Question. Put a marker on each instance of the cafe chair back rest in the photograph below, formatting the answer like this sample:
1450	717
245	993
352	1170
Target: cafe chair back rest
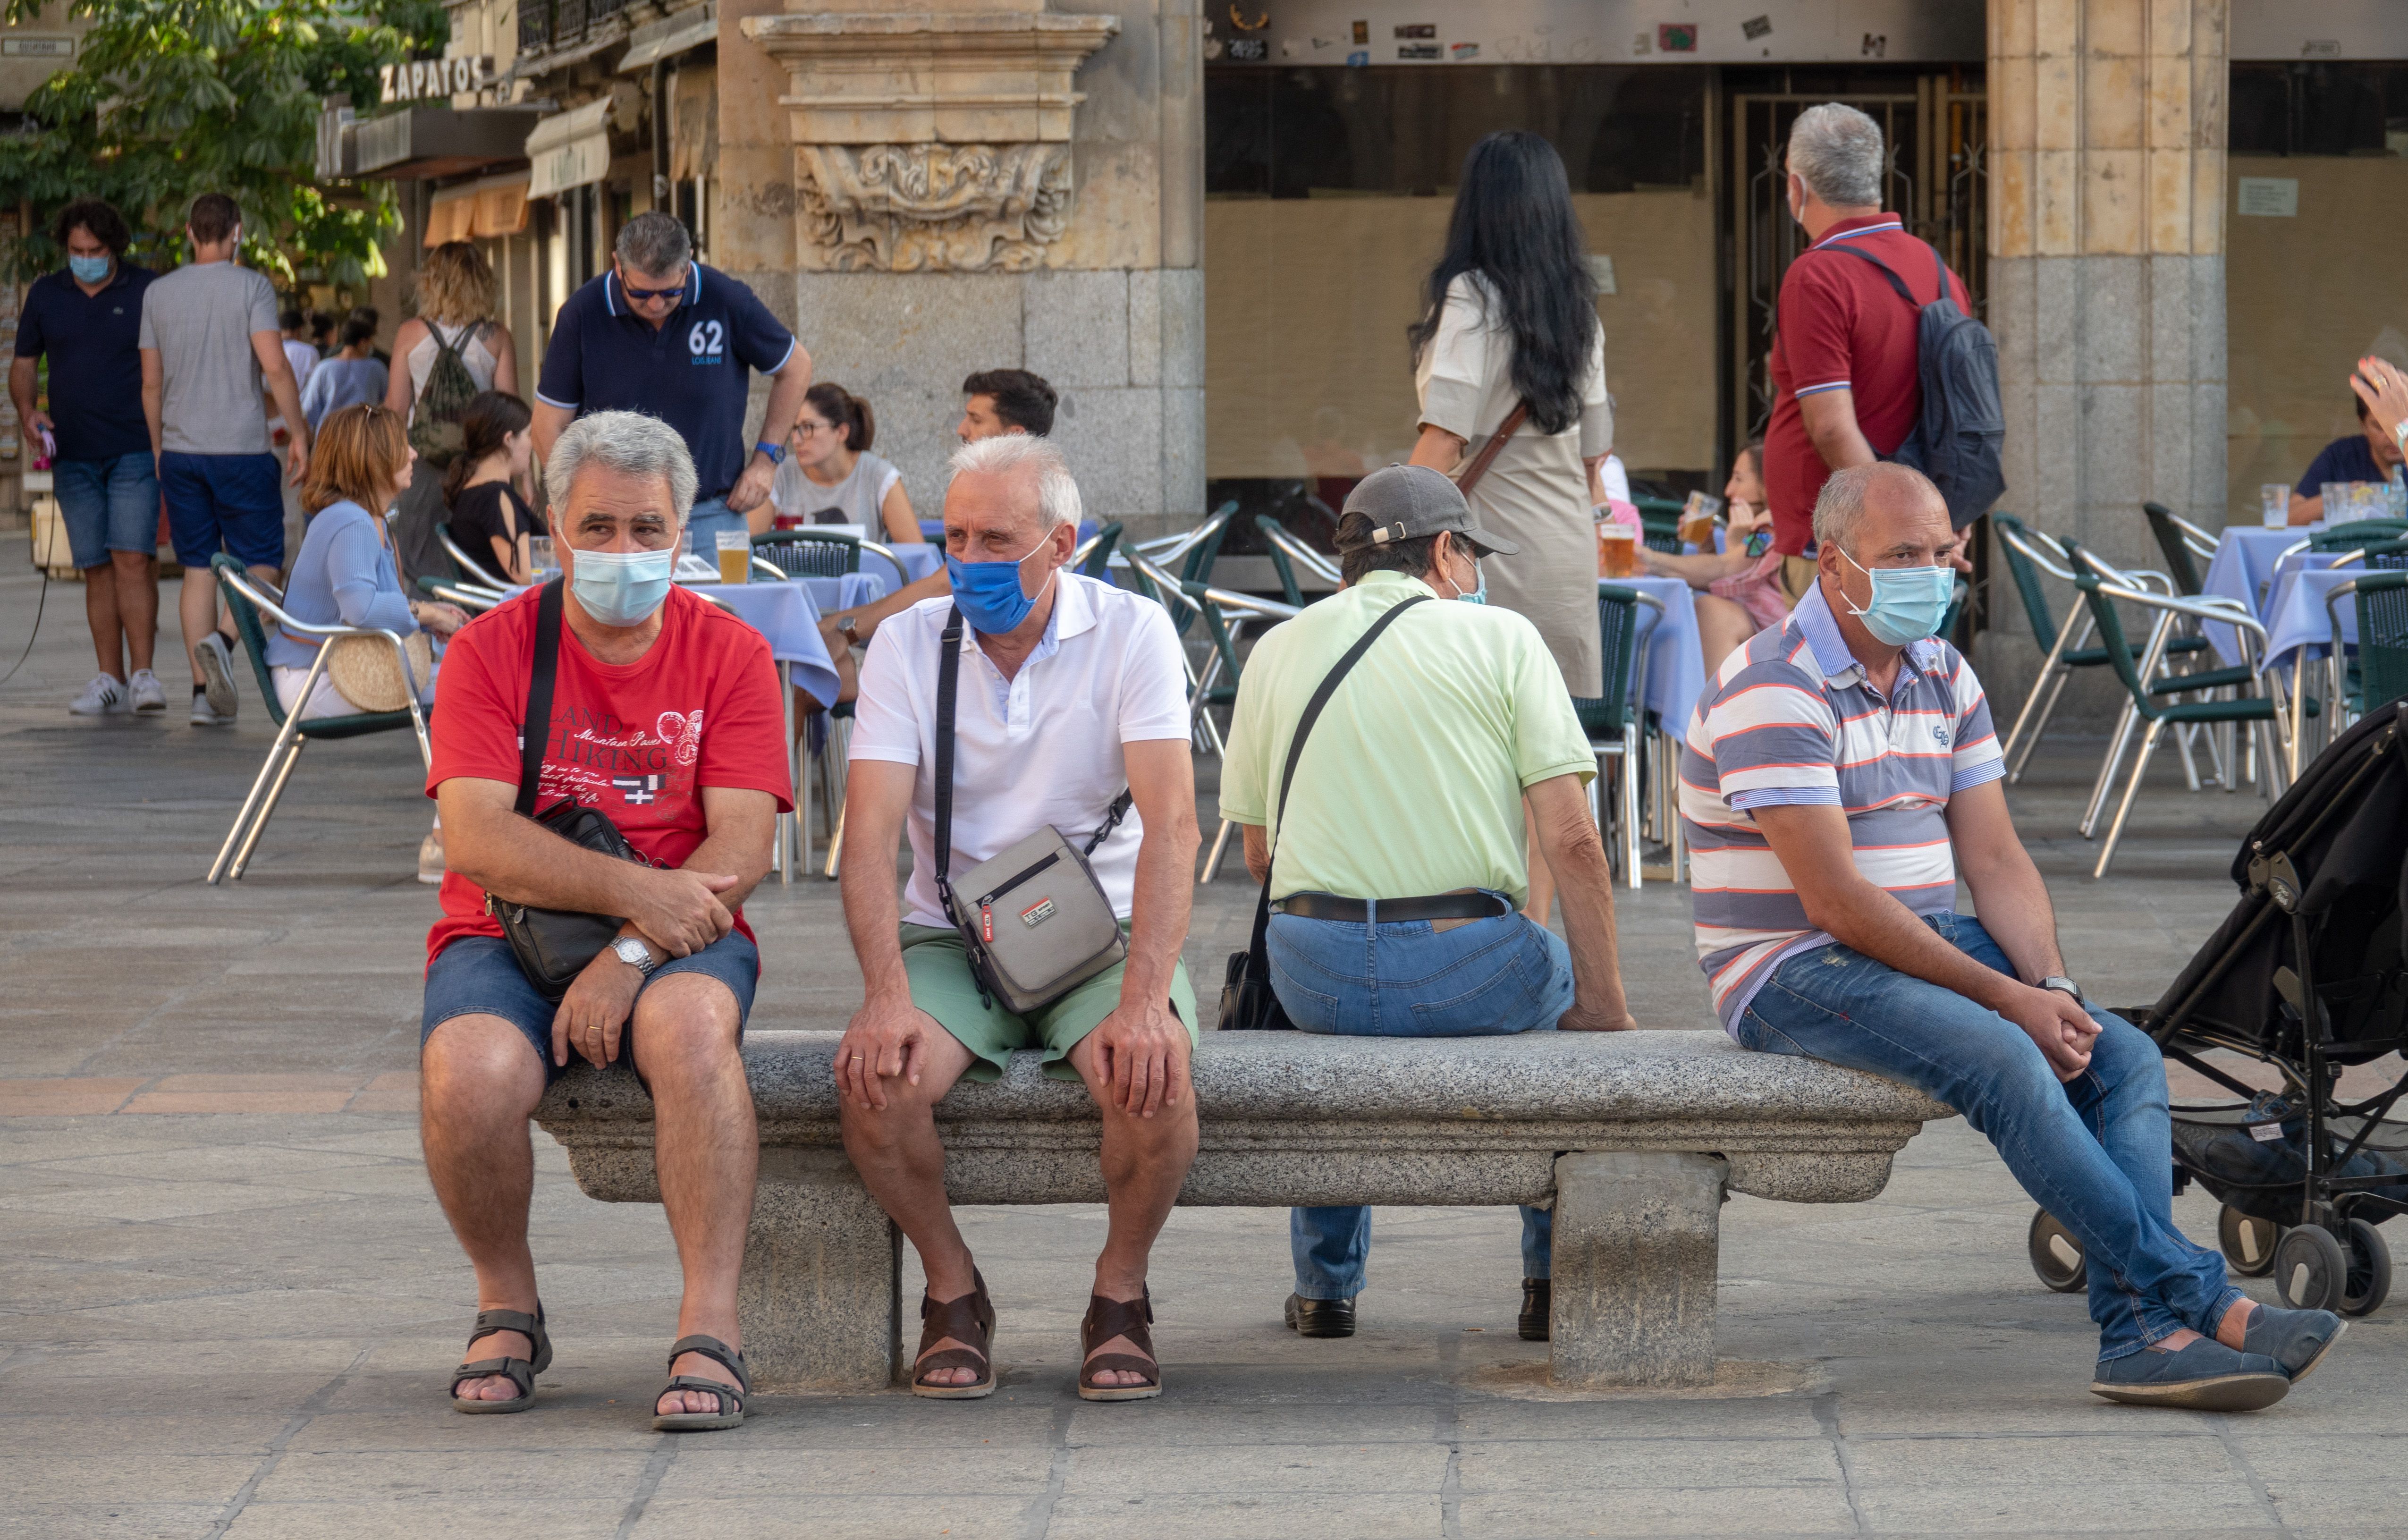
2354	534
2174	540
470	567
1659	522
255	606
1288	552
2377	556
1615	721
1094	556
2382	638
818	553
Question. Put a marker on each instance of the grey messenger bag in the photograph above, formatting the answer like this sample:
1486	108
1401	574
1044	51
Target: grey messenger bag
1034	920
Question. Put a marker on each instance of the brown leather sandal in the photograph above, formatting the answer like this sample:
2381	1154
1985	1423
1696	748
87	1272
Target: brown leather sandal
969	1318
1109	1318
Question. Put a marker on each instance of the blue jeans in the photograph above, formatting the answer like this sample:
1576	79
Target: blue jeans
1477	978
2095	1153
708	518
108	505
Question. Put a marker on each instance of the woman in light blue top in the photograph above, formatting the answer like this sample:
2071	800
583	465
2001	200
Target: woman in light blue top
352	377
345	573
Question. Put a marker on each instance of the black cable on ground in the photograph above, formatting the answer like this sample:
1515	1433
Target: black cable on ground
38	604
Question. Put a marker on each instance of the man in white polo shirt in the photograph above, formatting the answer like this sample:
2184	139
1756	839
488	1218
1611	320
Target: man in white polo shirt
1071	691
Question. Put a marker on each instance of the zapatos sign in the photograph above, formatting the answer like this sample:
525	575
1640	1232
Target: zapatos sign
420	78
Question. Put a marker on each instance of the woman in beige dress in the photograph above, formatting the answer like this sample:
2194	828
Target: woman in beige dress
1511	318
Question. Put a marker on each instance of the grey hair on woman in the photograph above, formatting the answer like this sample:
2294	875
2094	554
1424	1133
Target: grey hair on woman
1836	151
1025	455
628	443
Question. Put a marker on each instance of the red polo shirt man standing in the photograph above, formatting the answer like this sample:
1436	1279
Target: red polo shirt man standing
1846	390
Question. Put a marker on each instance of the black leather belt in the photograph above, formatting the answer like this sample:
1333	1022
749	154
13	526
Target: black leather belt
1441	906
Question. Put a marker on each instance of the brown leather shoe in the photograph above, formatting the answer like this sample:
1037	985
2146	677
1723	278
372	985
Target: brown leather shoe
1320	1317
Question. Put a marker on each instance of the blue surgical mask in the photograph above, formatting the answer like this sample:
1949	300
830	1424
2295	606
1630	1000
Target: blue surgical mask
988	592
621	587
88	270
1907	602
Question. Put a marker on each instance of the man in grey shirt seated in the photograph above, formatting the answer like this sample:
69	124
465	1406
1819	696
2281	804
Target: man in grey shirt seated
210	345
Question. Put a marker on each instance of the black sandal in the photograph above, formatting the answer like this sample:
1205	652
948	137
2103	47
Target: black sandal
1109	1318
966	1319
519	1372
731	1396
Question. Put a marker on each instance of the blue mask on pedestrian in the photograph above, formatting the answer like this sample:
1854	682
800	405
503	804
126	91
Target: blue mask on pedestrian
988	592
88	270
621	587
1907	602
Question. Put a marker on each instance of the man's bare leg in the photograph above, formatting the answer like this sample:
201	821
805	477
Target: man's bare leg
137	603
196	607
902	1162
1144	1159
707	1151
479	1081
100	616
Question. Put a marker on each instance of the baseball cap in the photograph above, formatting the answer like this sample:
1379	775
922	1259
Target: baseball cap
1412	503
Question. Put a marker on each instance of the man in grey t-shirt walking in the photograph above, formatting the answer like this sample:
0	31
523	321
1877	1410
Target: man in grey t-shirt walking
210	344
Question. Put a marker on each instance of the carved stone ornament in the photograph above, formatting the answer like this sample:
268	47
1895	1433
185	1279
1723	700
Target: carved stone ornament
913	208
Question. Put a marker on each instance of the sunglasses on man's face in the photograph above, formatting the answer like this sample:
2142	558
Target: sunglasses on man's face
673	292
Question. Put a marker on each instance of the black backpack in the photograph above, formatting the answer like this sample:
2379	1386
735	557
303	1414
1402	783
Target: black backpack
1956	441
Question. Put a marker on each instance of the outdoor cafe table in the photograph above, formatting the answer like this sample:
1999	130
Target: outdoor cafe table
788	615
1676	671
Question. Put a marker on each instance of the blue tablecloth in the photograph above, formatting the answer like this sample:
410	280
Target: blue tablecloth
832	594
2297	626
1676	669
785	613
2244	569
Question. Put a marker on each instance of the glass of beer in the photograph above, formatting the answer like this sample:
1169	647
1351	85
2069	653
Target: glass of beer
1698	517
735	557
1617	548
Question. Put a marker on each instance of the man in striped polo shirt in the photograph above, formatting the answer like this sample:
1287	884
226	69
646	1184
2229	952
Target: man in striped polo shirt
1837	776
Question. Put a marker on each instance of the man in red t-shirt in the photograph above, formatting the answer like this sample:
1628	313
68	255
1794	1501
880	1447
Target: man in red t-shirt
665	716
1846	380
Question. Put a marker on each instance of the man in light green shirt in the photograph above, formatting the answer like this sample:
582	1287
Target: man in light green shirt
1400	862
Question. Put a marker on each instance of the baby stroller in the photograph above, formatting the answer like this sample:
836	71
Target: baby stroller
2307	974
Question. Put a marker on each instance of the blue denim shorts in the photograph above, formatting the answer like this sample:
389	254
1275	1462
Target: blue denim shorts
108	505
235	501
477	976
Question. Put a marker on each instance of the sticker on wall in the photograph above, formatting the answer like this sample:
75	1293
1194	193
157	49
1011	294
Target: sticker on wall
1418	29
1362	33
1417	51
1249	50
1676	38
1358	59
1756	27
2269	197
1460	51
1600	267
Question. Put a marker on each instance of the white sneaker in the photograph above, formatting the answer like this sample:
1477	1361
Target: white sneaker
216	674
205	715
103	696
149	699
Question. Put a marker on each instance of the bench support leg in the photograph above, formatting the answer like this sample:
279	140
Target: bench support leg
818	1295
1636	1254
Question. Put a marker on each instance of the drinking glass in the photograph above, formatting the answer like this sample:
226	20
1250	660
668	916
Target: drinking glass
2274	505
1617	548
540	556
1698	517
735	557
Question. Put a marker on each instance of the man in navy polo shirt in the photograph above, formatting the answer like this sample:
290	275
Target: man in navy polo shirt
89	321
662	333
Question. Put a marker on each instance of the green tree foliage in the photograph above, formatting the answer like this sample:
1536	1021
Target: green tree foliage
169	99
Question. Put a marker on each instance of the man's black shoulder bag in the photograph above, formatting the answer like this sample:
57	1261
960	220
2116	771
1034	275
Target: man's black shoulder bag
553	945
1247	1002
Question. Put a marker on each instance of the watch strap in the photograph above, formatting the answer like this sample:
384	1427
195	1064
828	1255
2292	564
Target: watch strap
2062	984
777	452
644	967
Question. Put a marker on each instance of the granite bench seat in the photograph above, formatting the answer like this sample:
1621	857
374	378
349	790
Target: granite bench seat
1634	1137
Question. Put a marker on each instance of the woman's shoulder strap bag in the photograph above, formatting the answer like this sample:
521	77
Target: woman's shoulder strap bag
1470	476
553	945
1247	1002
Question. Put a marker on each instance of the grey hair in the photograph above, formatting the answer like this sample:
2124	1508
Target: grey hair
1841	506
654	243
1836	151
628	443
1025	455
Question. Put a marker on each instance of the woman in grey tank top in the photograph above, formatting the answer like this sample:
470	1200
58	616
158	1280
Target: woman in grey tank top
830	476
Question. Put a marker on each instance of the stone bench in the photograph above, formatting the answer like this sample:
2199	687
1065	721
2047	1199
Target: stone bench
1633	1137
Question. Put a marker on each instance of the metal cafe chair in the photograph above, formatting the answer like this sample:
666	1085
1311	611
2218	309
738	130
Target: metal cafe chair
820	553
1225	615
1616	721
2182	655
2379	674
1288	552
2183	544
1093	557
2258	712
248	601
470	567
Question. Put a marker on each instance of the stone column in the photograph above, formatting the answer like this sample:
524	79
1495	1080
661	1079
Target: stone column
1638	1251
2107	143
992	184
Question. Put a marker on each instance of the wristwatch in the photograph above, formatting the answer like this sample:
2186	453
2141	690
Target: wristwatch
2063	986
851	627
777	452
635	954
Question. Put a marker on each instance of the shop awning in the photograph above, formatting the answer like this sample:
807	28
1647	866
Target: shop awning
430	142
671	36
571	149
478	211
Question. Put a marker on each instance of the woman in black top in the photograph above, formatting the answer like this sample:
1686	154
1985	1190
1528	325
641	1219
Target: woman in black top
491	520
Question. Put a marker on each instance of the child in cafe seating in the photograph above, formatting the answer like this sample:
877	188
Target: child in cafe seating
1739	587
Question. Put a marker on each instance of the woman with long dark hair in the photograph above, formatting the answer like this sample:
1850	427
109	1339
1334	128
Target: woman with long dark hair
1509	323
491	517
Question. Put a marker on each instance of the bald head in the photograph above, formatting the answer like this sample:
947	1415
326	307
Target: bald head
1873	507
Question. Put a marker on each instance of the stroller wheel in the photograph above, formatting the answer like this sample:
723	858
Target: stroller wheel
2055	1255
2248	1242
2310	1270
2370	1271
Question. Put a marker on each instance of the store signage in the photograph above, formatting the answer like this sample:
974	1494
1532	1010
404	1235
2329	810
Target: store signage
38	48
420	78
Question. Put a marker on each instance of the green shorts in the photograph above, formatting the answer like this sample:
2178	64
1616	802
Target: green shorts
942	986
